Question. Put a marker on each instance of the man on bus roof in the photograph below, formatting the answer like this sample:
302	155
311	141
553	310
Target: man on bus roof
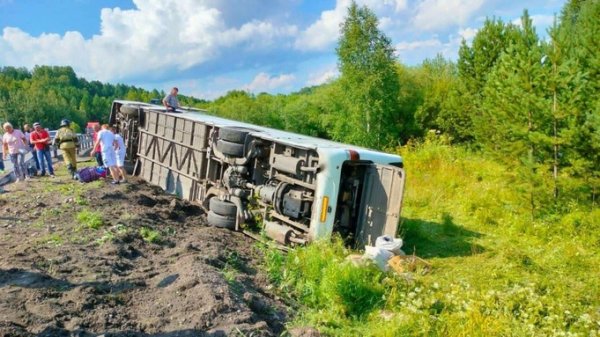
170	101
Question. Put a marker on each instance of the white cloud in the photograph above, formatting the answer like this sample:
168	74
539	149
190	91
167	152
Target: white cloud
265	82
409	46
417	51
266	30
468	33
439	14
322	76
154	36
324	32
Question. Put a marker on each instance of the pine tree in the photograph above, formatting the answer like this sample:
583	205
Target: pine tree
515	119
580	33
564	91
475	63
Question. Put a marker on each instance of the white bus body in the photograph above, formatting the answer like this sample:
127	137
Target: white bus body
304	188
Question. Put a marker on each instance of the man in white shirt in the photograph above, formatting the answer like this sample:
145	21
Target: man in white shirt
107	142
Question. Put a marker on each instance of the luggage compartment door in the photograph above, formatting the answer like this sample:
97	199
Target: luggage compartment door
381	203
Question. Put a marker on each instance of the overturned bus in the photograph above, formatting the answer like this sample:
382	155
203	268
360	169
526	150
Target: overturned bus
302	188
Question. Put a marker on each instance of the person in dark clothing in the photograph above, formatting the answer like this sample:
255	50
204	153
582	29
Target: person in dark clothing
27	131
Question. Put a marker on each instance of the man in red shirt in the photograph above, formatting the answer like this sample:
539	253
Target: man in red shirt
97	152
40	138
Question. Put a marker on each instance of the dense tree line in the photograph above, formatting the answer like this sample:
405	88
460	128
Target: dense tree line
50	93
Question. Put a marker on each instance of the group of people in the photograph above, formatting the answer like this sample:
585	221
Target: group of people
16	144
109	150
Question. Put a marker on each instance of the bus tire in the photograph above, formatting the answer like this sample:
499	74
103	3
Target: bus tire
230	149
221	221
129	110
222	207
233	135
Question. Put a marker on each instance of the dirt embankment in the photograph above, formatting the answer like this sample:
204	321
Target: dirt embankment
150	267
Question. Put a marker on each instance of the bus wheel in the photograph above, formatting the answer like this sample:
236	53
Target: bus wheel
221	221
222	207
230	149
233	135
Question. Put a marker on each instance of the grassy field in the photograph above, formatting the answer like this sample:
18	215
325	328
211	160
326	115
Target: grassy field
496	271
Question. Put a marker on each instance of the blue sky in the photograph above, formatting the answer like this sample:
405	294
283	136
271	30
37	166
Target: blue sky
207	47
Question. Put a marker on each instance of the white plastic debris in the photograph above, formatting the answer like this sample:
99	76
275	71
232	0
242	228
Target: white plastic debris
387	242
379	256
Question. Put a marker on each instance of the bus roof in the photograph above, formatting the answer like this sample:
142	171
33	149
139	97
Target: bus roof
285	137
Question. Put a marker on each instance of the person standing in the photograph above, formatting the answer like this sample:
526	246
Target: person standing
107	142
27	131
120	152
68	142
14	144
97	150
40	139
170	101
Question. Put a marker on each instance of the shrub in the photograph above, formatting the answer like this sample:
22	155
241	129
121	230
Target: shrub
150	235
319	277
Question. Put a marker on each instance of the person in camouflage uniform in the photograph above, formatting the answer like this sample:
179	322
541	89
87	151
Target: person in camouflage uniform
66	138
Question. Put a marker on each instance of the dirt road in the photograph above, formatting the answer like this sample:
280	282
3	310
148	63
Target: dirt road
146	264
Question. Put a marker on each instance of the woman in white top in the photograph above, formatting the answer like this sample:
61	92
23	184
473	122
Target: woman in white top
15	145
120	151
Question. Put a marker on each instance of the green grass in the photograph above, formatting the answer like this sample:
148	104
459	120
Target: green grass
81	201
89	219
51	240
496	271
150	235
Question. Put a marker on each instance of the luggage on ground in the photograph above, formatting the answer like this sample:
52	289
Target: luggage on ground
87	174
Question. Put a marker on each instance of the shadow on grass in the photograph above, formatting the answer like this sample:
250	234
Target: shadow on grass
438	239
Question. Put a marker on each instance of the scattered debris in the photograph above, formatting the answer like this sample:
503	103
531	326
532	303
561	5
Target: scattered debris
409	263
390	244
387	254
379	256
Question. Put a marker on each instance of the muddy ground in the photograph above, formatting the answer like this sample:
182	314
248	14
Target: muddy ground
151	267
